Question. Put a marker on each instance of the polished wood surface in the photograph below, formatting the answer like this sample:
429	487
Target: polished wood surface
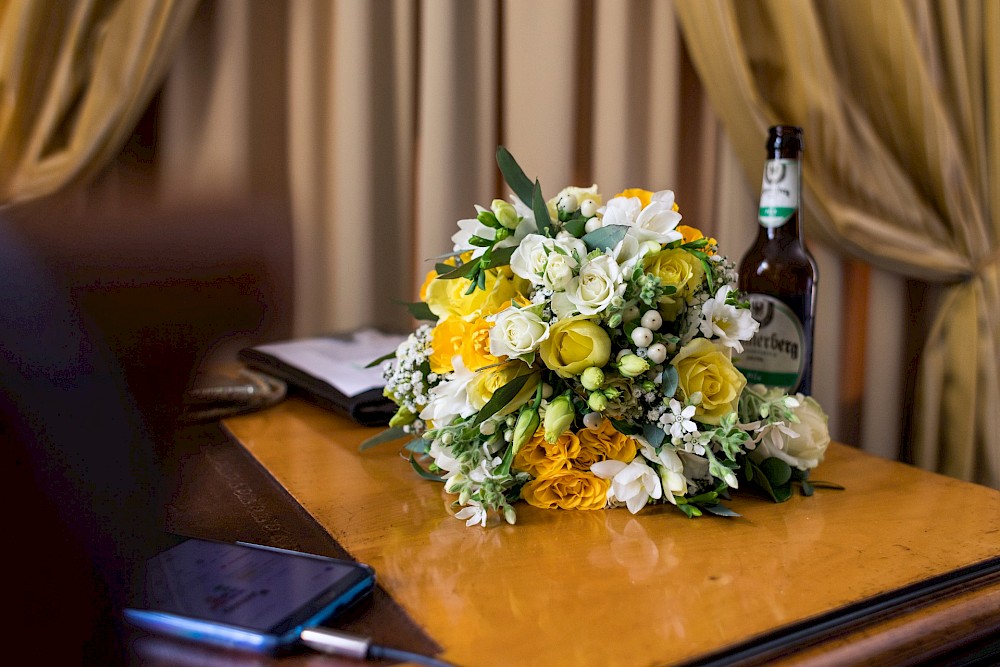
610	588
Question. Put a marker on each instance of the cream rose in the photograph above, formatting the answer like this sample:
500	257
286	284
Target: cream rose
517	332
599	282
706	368
807	447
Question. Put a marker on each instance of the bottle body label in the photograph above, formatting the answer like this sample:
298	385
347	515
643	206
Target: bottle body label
776	355
779	192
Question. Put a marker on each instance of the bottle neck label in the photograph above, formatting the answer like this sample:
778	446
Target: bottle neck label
776	355
779	193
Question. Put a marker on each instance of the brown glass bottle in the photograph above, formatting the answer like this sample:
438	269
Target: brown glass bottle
779	276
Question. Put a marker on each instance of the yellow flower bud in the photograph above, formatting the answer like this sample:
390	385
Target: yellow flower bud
402	417
631	365
592	378
505	213
527	424
559	417
598	402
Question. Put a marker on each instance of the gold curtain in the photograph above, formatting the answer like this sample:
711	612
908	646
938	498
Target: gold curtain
900	101
74	79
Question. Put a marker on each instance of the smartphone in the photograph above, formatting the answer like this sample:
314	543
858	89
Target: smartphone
244	596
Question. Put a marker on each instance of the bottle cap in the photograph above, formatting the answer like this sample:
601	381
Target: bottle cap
785	137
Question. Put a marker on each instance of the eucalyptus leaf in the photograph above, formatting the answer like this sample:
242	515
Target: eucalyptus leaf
654	435
388	435
418	446
777	471
720	510
670	380
605	237
501	398
423	473
541	211
514	175
575	227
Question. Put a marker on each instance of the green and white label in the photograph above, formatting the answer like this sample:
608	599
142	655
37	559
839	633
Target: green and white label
776	355
779	193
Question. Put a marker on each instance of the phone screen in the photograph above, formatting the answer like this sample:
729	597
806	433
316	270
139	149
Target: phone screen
207	585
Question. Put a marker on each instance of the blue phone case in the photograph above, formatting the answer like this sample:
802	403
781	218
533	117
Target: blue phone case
244	596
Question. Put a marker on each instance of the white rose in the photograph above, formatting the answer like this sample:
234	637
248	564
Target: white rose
530	258
806	441
517	332
599	282
558	272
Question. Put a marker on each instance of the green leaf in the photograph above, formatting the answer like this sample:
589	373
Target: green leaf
720	510
541	211
778	494
384	357
420	311
442	268
576	227
501	398
828	485
690	510
670	380
388	435
462	271
605	237
777	471
514	175
423	473
653	434
501	257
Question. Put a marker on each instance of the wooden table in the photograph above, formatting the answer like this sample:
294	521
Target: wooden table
902	565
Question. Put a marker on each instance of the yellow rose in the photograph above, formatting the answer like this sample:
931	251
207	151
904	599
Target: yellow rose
702	366
678	268
486	382
540	458
603	443
448	298
446	341
476	345
574	345
568	490
644	196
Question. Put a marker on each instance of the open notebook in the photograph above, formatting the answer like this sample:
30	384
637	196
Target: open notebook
331	371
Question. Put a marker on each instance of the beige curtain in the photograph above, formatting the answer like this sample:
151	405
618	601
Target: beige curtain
75	77
901	105
379	120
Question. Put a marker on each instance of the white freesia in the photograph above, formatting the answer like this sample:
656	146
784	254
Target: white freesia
670	468
450	399
656	222
801	445
632	483
445	459
627	253
599	282
726	322
517	332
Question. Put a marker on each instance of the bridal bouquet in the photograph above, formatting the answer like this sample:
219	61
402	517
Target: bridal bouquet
577	353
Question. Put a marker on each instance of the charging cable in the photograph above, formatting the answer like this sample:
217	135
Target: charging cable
335	642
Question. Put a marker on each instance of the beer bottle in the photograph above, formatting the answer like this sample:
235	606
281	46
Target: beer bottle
779	276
